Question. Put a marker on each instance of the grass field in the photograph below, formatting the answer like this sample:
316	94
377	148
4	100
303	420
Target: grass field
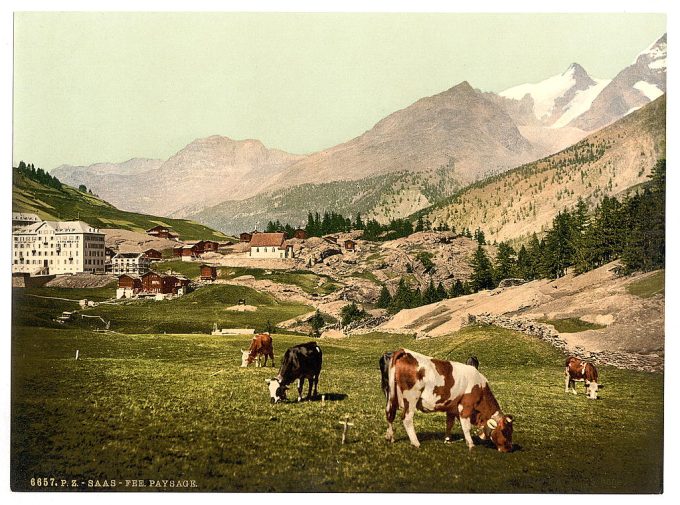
147	405
308	281
649	286
71	204
572	324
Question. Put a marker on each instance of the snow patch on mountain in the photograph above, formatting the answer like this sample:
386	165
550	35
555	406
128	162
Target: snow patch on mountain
649	90
581	102
543	93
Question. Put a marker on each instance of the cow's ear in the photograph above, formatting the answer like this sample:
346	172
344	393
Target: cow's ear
509	419
267	381
491	423
600	386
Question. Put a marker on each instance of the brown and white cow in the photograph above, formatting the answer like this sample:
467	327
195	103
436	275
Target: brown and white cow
419	382
260	345
579	370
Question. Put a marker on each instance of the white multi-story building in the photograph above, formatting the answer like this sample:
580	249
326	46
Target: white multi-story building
58	247
132	263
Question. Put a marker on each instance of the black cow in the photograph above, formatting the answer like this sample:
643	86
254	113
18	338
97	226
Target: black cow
473	361
384	368
300	362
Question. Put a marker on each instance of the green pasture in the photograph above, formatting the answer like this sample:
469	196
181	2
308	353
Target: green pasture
146	405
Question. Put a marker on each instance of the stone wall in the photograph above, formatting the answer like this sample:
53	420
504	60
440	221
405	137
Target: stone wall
547	333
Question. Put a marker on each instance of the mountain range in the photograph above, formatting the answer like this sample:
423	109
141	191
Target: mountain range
408	161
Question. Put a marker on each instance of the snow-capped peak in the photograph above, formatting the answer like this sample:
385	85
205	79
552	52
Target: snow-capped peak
655	55
569	93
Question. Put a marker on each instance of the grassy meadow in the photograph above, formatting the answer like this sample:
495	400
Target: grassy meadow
141	404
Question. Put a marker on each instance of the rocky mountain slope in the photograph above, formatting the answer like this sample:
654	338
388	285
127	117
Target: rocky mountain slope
384	197
630	323
458	126
205	172
525	200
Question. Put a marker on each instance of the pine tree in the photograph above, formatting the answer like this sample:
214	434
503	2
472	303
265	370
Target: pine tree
430	294
482	273
506	263
457	289
385	299
316	322
441	292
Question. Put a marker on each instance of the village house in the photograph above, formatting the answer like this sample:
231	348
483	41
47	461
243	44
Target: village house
245	237
128	286
58	247
134	263
208	272
162	232
350	245
159	283
270	245
153	254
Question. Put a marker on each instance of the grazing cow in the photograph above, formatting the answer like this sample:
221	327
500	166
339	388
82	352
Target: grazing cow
432	385
579	370
260	345
300	362
473	361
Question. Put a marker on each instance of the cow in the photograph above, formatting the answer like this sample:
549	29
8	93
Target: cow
473	361
579	370
419	382
300	362
260	345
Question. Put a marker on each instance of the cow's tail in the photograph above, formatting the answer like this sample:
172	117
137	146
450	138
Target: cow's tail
393	398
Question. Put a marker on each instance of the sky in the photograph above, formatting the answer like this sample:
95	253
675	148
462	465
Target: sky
106	87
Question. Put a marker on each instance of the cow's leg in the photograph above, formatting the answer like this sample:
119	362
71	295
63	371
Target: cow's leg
409	412
566	381
466	425
390	414
301	381
450	420
310	383
316	384
265	359
271	355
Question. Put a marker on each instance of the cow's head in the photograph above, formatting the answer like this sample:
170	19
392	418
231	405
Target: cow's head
501	432
244	358
277	392
592	388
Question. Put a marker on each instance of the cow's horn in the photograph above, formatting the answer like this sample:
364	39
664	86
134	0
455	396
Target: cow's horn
267	381
491	423
508	419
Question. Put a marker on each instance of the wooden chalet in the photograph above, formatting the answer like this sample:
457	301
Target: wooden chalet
210	246
350	245
153	254
155	282
132	282
208	273
161	232
245	237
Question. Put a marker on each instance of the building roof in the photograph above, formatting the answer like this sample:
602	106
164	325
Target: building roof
128	255
267	239
25	216
135	277
158	227
60	227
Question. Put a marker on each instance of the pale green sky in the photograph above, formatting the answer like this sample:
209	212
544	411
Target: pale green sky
93	87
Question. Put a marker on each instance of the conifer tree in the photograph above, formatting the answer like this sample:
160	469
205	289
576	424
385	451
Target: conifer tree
482	273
